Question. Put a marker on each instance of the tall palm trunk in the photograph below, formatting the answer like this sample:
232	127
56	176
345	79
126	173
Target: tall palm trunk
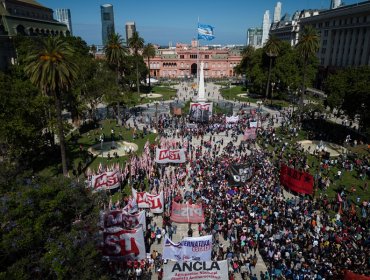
303	86
137	75
119	121
61	133
149	71
268	80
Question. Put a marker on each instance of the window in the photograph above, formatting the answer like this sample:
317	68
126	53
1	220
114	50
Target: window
206	56
182	56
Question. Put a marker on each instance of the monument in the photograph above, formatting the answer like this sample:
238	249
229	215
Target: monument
201	90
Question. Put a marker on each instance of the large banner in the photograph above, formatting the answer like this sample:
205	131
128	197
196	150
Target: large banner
200	112
106	181
239	174
189	249
120	218
250	134
232	119
170	156
196	270
146	200
300	182
124	244
349	275
185	213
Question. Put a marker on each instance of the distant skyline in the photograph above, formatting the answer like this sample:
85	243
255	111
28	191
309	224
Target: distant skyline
167	21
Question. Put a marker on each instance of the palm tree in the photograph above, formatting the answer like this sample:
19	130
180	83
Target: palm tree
50	67
149	52
272	49
136	43
308	45
115	54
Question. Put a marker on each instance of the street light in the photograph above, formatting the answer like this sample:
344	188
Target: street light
156	115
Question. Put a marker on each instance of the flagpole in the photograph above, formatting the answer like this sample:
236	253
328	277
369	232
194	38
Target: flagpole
198	56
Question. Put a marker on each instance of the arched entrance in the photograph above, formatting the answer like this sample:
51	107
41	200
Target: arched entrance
194	69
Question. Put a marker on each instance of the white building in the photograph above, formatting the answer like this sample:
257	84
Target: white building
277	12
254	37
64	16
335	4
265	26
130	29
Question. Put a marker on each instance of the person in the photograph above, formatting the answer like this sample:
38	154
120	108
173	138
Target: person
190	232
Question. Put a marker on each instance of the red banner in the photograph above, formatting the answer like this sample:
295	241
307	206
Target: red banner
300	182
349	275
250	133
170	156
185	213
127	244
146	200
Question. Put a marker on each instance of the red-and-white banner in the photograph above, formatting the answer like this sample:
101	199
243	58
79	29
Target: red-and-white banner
170	156
204	106
146	200
127	244
106	181
187	213
250	134
300	182
253	124
232	119
120	218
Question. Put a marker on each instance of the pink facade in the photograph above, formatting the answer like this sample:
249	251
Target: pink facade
182	61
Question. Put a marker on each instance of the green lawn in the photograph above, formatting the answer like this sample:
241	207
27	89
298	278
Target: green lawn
167	94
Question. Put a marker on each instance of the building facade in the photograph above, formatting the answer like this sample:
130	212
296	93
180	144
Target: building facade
288	29
254	37
130	29
344	35
277	12
107	22
64	16
182	61
265	26
26	18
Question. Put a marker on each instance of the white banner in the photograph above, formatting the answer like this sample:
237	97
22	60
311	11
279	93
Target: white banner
170	156
232	119
119	218
253	124
196	270
146	200
106	181
189	249
126	244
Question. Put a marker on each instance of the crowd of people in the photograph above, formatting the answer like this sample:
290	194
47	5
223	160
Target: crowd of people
297	237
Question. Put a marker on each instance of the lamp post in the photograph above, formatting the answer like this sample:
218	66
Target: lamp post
272	91
156	115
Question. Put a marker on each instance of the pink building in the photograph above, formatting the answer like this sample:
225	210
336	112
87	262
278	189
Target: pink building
182	60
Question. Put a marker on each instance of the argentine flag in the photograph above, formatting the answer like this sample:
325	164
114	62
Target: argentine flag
205	31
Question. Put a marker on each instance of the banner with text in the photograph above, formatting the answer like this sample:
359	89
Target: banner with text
298	181
232	119
188	249
239	174
106	181
124	244
187	213
170	156
146	200
196	270
200	111
250	134
120	218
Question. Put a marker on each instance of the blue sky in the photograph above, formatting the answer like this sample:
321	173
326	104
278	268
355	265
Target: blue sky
162	21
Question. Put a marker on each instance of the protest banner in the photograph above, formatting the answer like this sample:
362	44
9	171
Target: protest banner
188	249
170	156
349	275
154	202
200	111
250	134
120	218
185	213
298	181
125	244
108	180
232	119
196	270
253	124
239	174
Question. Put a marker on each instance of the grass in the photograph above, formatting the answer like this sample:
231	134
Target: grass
348	178
167	94
232	94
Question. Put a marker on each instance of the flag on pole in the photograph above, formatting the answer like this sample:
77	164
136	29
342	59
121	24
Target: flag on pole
205	32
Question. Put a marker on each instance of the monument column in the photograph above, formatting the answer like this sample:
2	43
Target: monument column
201	90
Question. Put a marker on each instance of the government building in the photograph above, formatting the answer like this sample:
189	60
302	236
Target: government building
26	18
182	61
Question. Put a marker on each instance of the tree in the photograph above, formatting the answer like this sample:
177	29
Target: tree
116	54
50	68
272	48
136	43
308	45
149	52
